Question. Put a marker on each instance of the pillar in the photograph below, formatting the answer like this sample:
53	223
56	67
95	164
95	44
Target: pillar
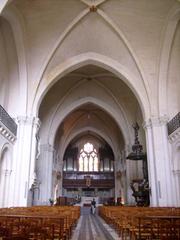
159	164
174	140
25	157
45	171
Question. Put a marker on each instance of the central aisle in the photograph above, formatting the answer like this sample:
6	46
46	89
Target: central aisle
92	227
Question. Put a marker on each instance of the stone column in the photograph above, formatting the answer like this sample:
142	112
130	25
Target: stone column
5	187
131	174
177	187
117	163
45	170
25	157
174	140
159	164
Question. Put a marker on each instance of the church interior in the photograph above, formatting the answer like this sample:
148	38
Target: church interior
89	119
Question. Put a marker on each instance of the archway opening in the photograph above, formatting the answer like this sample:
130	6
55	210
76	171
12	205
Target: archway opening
89	101
88	169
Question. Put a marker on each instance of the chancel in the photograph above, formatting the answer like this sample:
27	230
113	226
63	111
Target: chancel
89	112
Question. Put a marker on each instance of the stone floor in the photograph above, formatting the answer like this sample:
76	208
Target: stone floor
92	227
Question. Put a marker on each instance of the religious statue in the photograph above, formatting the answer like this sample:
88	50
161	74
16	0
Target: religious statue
140	190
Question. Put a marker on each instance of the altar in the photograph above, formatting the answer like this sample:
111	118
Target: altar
86	201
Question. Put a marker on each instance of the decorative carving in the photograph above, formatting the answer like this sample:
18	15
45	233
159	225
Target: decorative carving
174	136
118	174
7	133
139	187
155	121
58	176
93	8
88	181
141	190
174	124
8	122
137	148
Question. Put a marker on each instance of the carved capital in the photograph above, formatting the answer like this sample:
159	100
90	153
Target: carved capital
155	122
28	120
47	147
176	172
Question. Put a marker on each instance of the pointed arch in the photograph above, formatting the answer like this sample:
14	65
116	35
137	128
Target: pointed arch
61	114
14	18
169	34
98	60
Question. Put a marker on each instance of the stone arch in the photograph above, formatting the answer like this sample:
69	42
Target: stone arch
5	174
3	4
121	122
103	62
169	34
97	131
16	22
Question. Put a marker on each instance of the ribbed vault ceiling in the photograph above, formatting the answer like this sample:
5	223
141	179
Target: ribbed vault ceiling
90	118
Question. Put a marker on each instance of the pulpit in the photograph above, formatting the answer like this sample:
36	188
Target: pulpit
140	187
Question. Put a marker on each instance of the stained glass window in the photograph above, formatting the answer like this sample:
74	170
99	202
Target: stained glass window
88	159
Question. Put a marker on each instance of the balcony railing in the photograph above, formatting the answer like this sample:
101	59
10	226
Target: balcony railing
174	124
94	183
8	121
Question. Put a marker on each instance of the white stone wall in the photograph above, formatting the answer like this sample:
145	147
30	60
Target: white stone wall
135	42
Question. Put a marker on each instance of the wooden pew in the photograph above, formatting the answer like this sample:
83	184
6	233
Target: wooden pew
143	222
42	222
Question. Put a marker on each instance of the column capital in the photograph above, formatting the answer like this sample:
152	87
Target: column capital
176	172
6	172
47	147
28	120
127	149
155	122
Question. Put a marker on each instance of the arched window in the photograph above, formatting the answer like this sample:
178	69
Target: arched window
88	159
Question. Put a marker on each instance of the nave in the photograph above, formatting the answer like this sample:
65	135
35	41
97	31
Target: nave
92	227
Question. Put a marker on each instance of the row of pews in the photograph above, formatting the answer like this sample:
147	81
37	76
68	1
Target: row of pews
134	223
38	222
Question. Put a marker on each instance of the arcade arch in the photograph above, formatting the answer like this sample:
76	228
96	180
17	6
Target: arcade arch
92	100
5	175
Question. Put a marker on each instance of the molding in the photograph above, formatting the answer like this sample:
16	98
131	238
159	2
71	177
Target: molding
155	122
176	172
29	120
95	3
3	5
5	132
47	147
173	137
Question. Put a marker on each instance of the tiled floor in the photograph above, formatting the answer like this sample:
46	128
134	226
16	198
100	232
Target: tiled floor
92	227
